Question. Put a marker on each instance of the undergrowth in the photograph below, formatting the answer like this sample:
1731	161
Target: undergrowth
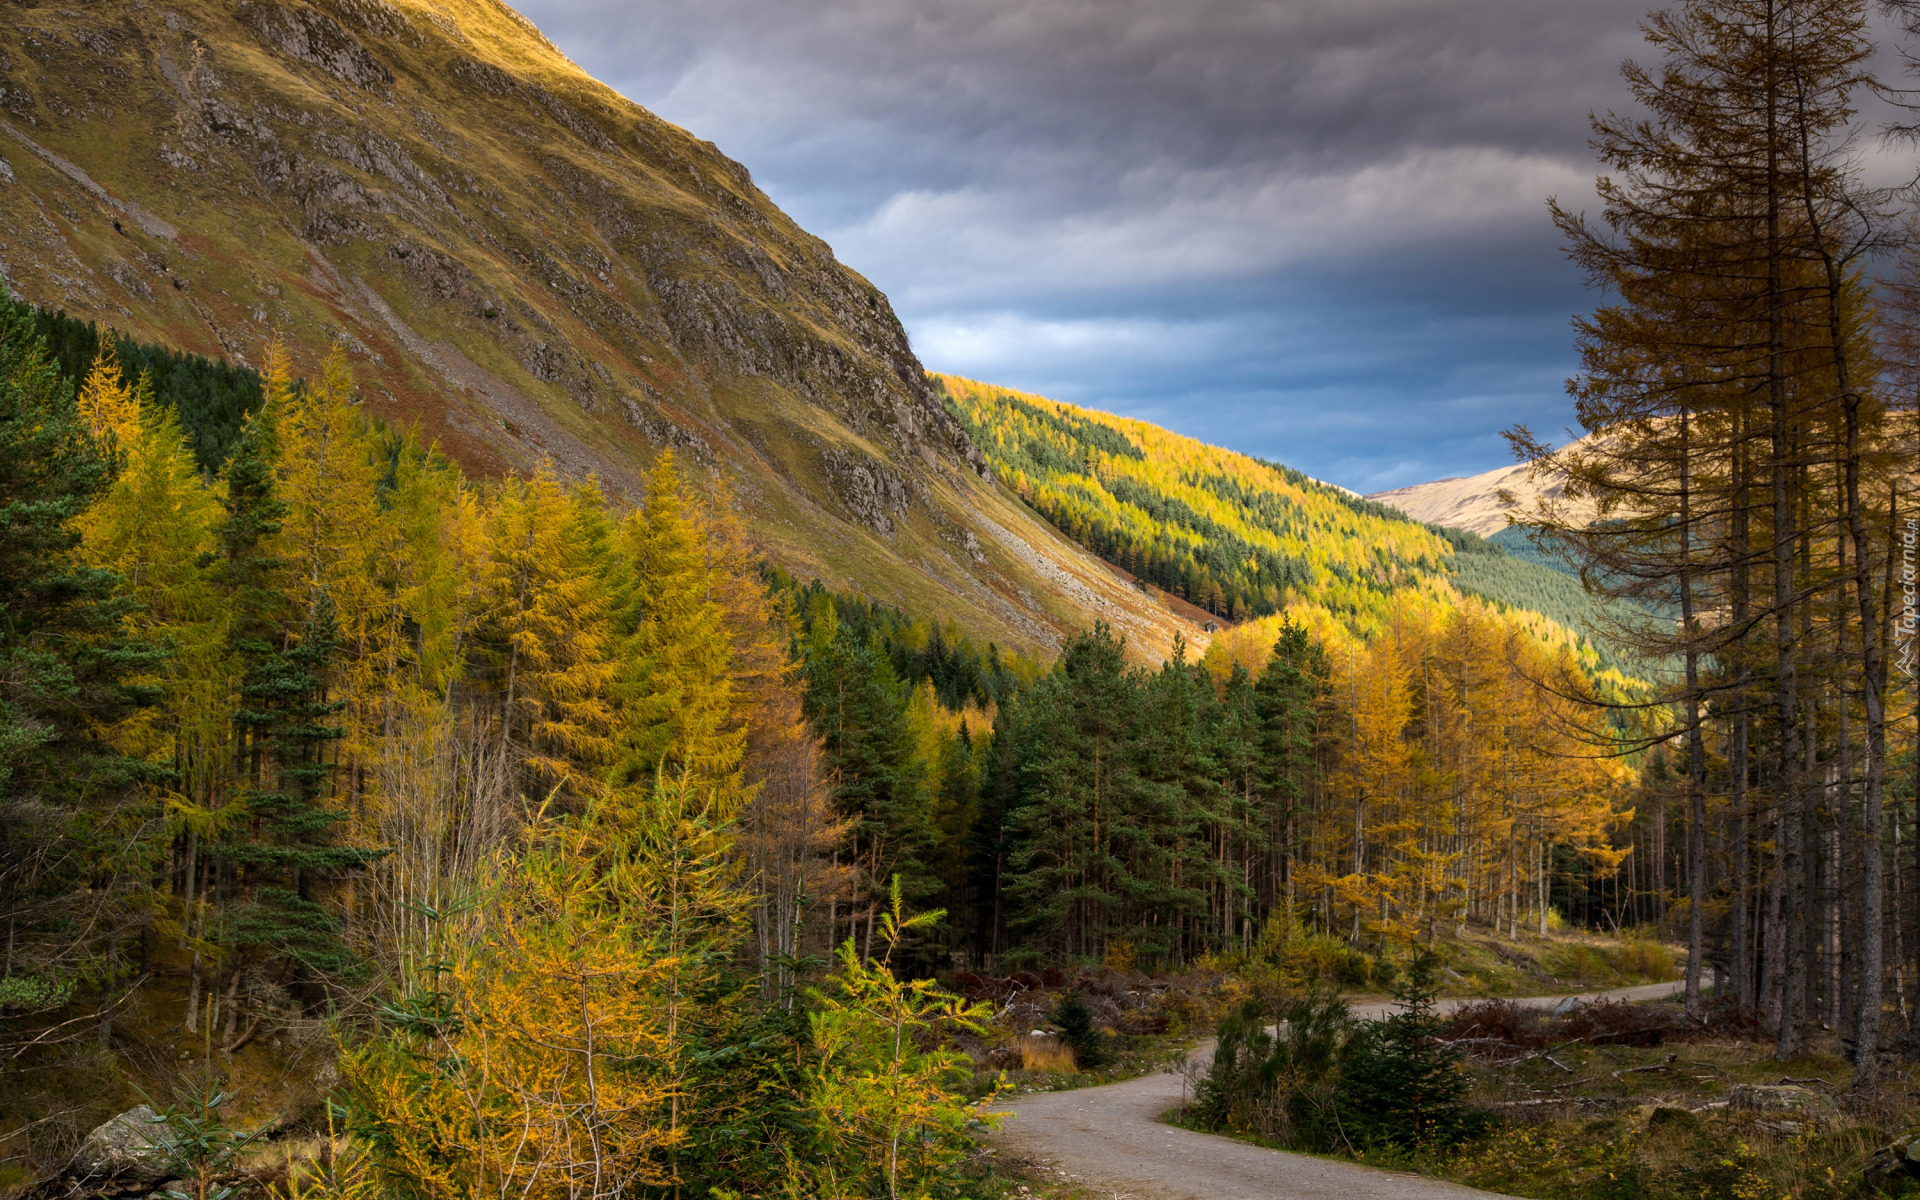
1605	1101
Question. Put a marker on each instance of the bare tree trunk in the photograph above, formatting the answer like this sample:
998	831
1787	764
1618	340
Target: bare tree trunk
1696	751
1779	469
1742	860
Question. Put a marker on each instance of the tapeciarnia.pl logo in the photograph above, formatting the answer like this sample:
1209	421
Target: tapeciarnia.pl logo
1905	623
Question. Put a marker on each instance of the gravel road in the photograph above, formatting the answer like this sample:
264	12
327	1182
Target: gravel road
1111	1138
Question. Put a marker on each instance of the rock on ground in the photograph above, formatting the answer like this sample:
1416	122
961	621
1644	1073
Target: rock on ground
131	1146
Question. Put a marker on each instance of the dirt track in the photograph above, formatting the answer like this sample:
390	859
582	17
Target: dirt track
1112	1138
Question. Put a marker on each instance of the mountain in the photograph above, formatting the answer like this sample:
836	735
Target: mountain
1472	503
1244	539
1230	534
520	262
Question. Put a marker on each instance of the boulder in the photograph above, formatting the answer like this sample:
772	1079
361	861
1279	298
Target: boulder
132	1146
1892	1165
1886	1170
1784	1099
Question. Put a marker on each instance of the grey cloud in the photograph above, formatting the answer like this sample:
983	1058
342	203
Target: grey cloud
1310	230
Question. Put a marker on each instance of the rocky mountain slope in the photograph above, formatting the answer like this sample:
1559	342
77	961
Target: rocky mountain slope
521	262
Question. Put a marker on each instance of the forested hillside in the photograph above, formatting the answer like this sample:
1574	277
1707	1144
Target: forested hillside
1247	539
1231	534
1517	542
1512	572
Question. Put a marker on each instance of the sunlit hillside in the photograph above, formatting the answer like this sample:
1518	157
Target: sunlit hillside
522	265
1244	538
1232	534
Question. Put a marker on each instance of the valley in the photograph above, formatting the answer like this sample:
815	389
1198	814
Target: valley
517	680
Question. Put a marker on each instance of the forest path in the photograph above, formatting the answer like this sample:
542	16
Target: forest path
1111	1139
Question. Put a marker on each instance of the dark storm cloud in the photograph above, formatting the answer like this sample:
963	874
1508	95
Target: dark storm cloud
1311	230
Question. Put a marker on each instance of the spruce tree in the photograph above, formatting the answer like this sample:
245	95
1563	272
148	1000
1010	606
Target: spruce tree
1399	1084
74	831
291	846
281	842
859	708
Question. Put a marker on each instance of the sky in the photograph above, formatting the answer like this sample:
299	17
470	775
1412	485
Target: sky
1311	230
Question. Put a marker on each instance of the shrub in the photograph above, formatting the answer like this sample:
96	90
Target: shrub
1075	1022
1580	962
1311	958
1646	958
1505	1021
882	1096
1276	1082
1399	1084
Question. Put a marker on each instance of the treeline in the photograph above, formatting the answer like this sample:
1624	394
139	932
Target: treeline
1743	489
211	397
1378	791
940	654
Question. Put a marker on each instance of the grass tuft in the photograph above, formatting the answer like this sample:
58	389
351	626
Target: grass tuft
1046	1054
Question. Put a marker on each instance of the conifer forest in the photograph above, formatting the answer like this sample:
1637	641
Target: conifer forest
395	827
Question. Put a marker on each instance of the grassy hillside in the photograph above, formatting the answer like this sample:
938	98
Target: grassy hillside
519	262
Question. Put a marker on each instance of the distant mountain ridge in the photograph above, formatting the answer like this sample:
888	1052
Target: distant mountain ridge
1473	502
520	261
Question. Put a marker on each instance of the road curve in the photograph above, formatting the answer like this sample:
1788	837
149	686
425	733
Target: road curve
1112	1138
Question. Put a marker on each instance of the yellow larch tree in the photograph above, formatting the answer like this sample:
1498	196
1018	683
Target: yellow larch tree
109	407
676	681
547	627
527	1062
789	828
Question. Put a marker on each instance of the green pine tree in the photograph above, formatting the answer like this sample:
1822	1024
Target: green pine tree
859	708
77	831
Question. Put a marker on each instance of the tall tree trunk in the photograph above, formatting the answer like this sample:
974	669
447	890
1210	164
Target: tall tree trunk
1696	751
